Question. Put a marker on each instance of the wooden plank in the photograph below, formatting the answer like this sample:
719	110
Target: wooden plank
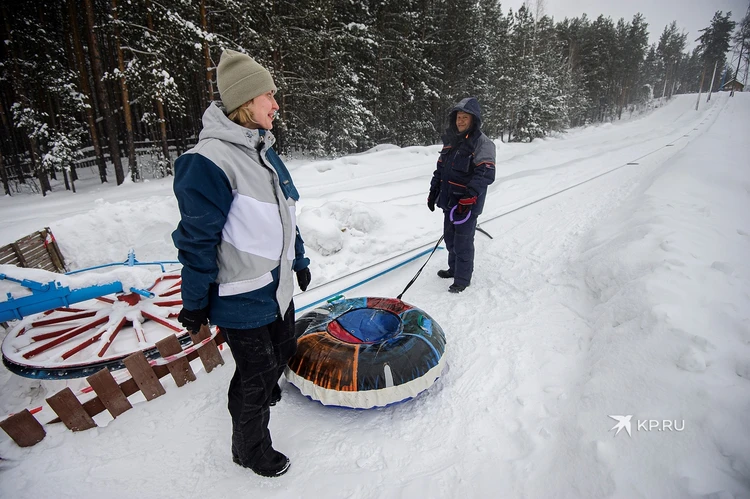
35	253
39	261
24	429
144	376
70	410
36	258
26	239
44	264
209	353
7	251
109	392
30	245
180	368
19	255
10	259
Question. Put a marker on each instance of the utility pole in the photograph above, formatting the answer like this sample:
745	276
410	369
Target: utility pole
711	83
742	58
700	88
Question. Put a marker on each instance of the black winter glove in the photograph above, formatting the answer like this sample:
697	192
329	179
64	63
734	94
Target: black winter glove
303	278
431	200
192	320
430	203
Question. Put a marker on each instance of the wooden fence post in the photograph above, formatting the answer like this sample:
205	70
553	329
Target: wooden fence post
109	392
209	353
144	376
70	410
24	429
179	369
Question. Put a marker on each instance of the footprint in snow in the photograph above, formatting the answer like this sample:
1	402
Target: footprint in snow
703	343
692	360
723	267
743	369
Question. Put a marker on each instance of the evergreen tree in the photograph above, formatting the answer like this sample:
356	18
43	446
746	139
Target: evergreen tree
714	44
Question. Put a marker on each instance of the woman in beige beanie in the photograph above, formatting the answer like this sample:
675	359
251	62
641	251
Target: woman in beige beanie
239	245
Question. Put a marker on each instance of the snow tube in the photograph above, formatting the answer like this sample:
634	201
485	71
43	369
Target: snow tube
366	352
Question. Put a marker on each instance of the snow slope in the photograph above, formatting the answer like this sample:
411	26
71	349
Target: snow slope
625	295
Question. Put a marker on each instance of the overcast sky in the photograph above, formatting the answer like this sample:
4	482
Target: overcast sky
691	15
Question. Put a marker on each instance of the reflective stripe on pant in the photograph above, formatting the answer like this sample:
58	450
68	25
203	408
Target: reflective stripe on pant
260	355
459	241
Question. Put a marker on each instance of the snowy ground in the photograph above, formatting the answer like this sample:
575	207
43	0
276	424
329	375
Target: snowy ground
626	295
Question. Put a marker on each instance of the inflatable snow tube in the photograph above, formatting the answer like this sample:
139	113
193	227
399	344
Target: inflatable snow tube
366	352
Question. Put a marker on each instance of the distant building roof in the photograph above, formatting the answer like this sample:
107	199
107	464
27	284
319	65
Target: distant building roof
733	82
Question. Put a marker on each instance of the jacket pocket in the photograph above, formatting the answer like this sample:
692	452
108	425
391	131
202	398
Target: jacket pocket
461	161
455	192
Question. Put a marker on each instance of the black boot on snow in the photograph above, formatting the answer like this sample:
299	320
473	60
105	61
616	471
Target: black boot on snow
271	464
456	288
275	394
445	274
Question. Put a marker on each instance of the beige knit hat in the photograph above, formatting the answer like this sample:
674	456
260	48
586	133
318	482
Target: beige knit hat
240	79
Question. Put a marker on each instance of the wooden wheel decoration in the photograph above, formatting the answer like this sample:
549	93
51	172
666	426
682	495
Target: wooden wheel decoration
79	340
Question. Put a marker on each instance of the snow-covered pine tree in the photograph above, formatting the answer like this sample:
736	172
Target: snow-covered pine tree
669	52
714	44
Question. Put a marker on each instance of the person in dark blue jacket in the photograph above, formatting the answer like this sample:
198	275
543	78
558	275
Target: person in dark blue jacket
239	246
465	168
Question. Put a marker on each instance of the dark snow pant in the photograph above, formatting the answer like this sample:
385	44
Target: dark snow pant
260	355
459	241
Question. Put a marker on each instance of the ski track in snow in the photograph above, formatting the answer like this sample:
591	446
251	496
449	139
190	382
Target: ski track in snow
577	310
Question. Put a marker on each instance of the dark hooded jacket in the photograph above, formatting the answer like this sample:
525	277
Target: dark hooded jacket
466	165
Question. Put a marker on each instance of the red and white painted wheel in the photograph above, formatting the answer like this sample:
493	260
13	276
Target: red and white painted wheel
79	340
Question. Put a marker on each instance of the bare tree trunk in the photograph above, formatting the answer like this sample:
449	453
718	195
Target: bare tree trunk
207	56
7	119
83	78
22	97
8	125
159	105
4	174
666	79
132	163
41	175
163	136
96	67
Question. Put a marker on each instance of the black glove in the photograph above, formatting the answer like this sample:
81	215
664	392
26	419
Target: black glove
192	320
431	200
303	278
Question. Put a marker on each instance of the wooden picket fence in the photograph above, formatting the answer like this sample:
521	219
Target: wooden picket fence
26	431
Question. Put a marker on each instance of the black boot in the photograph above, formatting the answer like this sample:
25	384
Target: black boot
456	288
271	464
445	274
275	394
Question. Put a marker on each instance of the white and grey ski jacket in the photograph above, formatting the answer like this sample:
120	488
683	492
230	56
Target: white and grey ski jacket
237	238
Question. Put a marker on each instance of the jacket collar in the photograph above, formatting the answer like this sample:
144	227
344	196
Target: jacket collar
216	125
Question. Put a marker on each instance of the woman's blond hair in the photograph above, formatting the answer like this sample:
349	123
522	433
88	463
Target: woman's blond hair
242	115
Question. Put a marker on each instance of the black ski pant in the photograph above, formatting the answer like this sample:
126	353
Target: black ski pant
459	241
260	355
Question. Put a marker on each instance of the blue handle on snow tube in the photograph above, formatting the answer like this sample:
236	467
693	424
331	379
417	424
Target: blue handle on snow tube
460	221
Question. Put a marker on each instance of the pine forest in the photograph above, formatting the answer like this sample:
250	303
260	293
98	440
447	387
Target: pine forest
125	82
